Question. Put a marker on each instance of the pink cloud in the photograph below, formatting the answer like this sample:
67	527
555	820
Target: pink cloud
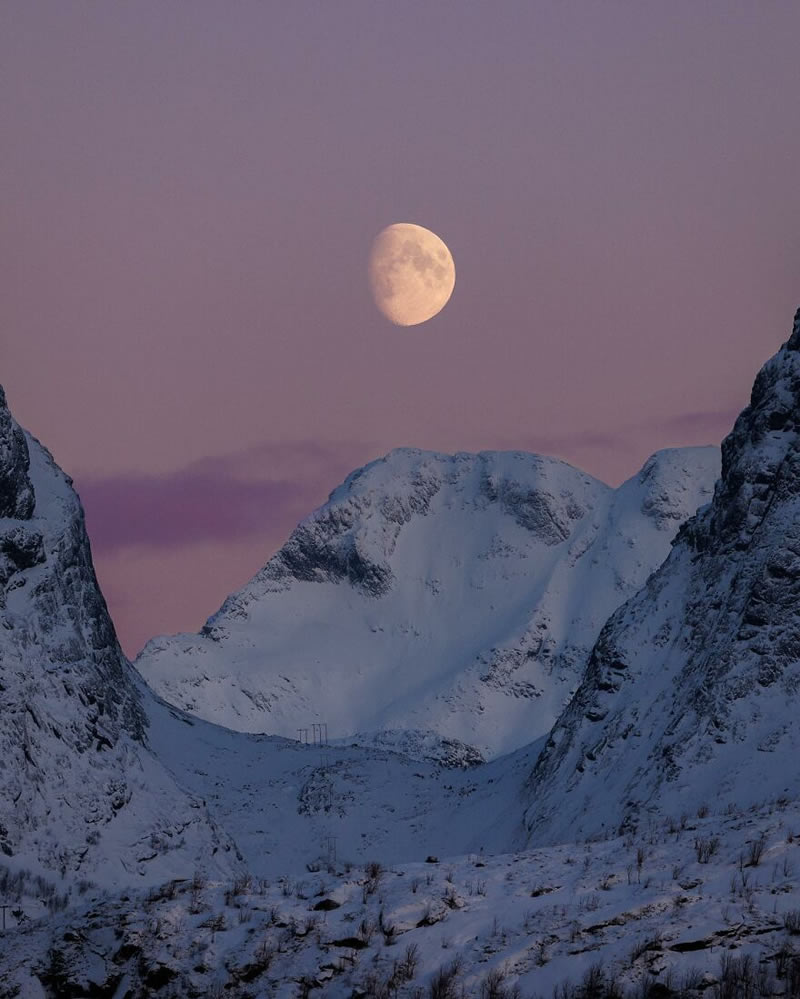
220	498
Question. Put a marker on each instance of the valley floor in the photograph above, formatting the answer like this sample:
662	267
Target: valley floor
289	804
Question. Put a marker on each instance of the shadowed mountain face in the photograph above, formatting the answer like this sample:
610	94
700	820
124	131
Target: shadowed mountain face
441	604
79	789
692	690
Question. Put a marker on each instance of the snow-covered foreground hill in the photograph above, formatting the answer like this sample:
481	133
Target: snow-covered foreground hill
454	595
690	906
81	795
692	691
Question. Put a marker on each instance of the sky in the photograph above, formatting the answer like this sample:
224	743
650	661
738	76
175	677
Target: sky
189	192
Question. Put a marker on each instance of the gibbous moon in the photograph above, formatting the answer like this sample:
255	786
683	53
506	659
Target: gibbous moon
411	272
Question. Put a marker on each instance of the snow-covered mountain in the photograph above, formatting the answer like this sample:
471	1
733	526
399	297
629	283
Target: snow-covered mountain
80	792
692	692
434	597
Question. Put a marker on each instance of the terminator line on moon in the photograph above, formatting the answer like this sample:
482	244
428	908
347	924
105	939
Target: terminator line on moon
411	272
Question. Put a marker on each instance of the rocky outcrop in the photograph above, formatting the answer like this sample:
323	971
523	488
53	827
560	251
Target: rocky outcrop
692	690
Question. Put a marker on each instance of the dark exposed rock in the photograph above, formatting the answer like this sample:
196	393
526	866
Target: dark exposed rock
352	943
326	905
158	976
16	491
687	946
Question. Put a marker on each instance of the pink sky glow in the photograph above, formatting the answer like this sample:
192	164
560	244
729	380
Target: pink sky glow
189	192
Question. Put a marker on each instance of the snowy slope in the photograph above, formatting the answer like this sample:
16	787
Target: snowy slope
704	907
692	692
80	793
455	595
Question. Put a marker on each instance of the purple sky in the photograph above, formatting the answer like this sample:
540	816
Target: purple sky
189	191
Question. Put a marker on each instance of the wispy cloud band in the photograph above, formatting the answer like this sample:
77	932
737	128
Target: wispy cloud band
271	487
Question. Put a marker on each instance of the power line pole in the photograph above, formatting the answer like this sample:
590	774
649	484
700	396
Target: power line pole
4	907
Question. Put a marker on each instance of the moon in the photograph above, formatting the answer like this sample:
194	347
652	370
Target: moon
411	272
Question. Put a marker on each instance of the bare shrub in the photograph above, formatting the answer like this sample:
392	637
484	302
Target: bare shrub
375	987
705	849
791	922
374	873
443	984
366	929
793	977
742	978
373	870
197	887
756	851
388	929
243	885
596	984
264	954
406	968
493	986
783	959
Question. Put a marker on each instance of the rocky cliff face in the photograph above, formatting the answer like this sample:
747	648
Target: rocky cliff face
16	491
453	596
79	790
692	691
